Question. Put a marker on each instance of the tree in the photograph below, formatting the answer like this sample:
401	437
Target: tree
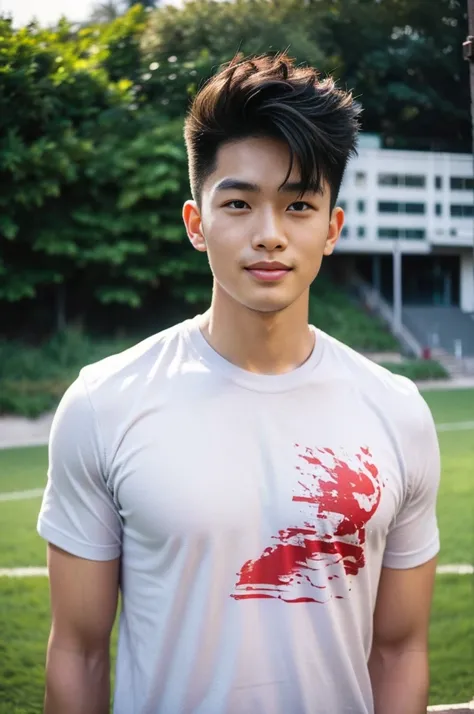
183	46
107	11
92	162
92	183
147	4
403	59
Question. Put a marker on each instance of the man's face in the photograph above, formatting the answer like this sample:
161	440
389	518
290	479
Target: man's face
265	244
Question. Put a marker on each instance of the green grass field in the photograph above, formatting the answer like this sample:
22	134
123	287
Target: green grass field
24	605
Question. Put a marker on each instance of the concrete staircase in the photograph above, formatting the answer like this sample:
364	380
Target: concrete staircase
442	328
454	366
447	332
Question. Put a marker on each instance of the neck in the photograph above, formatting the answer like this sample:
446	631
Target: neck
263	343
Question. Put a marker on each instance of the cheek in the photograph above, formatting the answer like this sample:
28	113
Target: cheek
313	238
222	248
224	236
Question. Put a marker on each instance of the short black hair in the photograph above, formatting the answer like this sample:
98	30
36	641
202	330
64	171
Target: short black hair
270	96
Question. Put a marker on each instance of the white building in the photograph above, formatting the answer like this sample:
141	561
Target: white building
421	204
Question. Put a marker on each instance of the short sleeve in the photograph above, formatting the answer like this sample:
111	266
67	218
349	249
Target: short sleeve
78	513
414	536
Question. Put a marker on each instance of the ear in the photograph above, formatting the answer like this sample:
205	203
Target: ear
192	221
335	227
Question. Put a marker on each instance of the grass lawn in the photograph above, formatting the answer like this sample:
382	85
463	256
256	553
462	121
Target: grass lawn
24	605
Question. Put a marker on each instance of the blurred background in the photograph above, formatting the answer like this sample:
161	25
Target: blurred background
93	253
94	256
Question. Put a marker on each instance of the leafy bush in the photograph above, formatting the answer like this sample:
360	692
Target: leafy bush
33	379
331	310
418	369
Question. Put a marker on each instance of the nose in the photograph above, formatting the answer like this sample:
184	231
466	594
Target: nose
269	235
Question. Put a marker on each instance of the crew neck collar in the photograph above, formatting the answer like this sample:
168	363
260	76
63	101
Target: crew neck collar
250	380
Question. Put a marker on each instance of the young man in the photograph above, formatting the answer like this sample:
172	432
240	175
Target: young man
262	496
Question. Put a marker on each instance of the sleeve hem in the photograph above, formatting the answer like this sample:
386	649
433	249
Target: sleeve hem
77	548
411	560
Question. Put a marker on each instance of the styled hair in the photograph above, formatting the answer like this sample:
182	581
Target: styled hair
269	96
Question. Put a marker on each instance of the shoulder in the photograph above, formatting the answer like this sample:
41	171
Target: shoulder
133	364
400	409
395	397
106	393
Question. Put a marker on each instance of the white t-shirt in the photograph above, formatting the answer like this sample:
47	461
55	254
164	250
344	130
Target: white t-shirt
252	514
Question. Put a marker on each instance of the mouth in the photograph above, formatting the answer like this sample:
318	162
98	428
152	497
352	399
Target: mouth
268	271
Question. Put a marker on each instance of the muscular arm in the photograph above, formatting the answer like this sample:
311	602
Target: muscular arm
399	659
83	603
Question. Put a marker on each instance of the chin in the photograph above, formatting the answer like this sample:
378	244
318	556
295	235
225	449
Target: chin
267	308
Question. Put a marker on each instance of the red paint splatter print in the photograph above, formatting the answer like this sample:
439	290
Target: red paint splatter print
340	495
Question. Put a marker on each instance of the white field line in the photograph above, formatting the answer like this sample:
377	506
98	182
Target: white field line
463	569
35	572
456	426
36	492
23	572
21	495
469	706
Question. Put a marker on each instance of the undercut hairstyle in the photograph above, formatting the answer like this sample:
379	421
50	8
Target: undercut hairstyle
269	96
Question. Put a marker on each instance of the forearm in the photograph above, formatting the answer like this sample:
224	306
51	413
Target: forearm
400	681
77	683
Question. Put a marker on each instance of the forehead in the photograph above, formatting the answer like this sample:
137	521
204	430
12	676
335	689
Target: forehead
260	162
255	159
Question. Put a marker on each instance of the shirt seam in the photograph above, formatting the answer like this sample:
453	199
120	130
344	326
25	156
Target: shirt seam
99	431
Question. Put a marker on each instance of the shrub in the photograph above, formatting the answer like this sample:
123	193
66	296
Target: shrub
418	369
331	310
33	379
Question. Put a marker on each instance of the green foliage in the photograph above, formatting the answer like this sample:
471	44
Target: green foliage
93	178
185	45
332	311
33	379
418	369
404	59
92	162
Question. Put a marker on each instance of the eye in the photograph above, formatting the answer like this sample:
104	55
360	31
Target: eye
238	205
299	207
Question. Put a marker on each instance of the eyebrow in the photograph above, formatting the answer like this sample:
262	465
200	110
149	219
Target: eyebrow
232	184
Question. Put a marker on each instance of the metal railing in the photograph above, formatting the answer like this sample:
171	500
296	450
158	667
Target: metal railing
375	303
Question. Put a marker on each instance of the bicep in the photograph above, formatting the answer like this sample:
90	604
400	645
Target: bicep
84	596
403	605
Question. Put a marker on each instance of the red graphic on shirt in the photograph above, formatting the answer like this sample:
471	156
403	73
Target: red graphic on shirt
341	495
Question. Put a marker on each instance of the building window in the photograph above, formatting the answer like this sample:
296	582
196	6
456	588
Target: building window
438	209
453	232
418	208
415	181
388	233
459	211
462	183
411	180
388	180
343	205
360	178
407	233
394	207
388	207
345	232
438	182
360	231
414	233
361	206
